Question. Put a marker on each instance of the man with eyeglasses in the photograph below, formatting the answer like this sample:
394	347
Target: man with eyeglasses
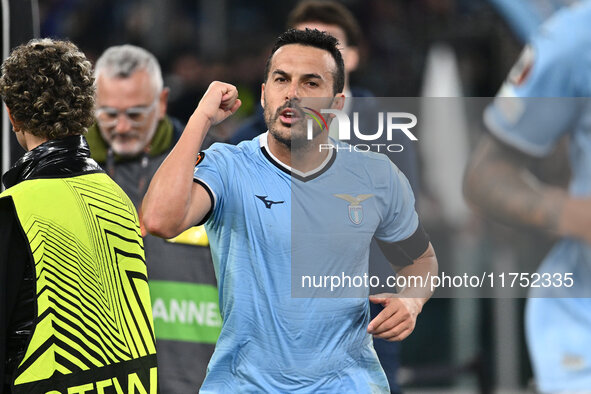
132	125
130	139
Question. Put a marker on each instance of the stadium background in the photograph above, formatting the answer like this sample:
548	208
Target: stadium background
410	48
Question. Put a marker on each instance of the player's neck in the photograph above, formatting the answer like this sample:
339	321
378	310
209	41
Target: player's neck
303	158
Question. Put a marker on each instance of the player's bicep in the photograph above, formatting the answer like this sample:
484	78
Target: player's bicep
492	167
411	248
210	184
399	218
491	155
201	205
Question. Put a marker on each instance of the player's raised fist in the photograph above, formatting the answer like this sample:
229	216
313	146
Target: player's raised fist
219	101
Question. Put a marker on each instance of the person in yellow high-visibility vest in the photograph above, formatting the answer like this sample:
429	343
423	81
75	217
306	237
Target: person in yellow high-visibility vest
75	312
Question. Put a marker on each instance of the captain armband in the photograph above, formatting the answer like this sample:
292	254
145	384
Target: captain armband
413	247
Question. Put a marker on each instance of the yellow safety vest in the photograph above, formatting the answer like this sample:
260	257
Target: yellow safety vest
93	330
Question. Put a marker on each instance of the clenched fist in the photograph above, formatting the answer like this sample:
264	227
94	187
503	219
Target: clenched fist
219	102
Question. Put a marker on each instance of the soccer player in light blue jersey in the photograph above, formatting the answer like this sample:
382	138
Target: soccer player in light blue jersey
545	98
277	206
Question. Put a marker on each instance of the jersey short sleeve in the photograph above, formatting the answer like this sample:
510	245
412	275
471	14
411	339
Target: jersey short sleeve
399	218
212	172
538	102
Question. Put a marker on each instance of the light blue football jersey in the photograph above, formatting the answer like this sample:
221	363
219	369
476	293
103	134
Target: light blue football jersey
265	220
545	98
525	16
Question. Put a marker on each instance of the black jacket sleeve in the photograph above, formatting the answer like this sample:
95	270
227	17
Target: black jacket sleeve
13	257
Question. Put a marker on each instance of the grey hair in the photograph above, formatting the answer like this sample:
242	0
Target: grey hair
124	60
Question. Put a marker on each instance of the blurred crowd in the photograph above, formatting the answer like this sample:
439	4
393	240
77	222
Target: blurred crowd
199	41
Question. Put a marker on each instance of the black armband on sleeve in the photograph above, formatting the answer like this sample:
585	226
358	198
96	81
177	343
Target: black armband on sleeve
412	247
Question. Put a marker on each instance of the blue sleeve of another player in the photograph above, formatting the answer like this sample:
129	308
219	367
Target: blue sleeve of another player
399	218
537	104
211	171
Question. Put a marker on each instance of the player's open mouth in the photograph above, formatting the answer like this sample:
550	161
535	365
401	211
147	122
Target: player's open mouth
289	116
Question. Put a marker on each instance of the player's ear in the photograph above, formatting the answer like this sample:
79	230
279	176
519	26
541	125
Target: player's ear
10	118
16	127
263	95
338	102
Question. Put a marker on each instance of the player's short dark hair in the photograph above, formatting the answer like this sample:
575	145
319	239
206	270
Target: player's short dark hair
49	88
329	13
316	39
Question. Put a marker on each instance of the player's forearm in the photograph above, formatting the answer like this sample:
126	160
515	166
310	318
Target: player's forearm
498	183
417	277
168	200
575	218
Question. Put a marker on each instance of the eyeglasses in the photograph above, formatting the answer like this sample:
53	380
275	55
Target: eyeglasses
137	116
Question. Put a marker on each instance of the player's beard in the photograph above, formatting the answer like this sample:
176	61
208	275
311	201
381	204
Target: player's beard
295	138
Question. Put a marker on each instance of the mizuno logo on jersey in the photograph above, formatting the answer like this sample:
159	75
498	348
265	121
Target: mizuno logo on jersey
355	207
268	203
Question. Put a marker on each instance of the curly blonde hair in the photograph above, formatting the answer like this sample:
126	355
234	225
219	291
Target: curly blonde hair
48	86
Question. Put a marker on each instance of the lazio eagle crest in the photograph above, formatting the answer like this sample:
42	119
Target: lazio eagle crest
355	207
